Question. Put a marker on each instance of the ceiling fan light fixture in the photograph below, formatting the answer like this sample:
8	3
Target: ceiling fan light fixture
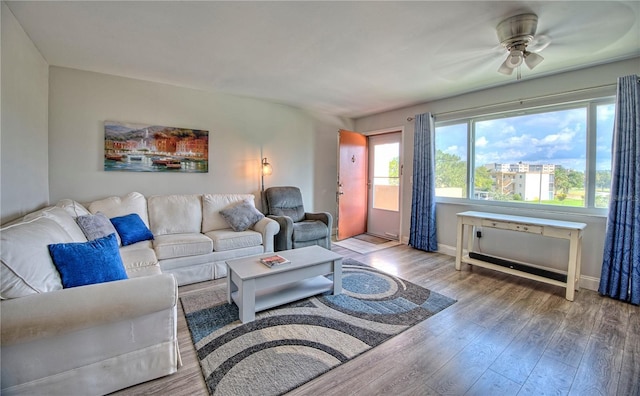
505	69
515	34
532	59
515	58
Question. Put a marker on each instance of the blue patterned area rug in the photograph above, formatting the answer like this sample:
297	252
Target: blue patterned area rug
289	345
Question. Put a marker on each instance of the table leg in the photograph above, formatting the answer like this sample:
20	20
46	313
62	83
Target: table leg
229	288
337	276
573	265
247	300
579	263
470	237
460	234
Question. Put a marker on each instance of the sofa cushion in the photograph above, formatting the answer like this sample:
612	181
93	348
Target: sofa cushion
181	245
131	229
63	218
25	264
139	261
119	206
228	239
241	215
72	207
175	214
96	226
87	263
212	204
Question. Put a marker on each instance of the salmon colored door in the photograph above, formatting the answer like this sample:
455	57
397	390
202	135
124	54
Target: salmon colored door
352	184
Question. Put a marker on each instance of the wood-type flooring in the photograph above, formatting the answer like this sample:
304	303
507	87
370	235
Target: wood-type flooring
505	336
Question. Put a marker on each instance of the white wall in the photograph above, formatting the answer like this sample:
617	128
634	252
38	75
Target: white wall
23	132
544	251
239	130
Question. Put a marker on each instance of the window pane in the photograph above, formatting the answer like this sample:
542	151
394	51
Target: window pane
534	158
451	161
604	138
386	178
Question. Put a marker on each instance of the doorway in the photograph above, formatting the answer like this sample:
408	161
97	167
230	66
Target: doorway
384	176
369	184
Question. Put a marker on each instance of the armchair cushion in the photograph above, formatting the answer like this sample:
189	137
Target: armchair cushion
285	201
309	230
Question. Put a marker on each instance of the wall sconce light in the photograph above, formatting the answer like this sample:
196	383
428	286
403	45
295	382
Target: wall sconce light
266	170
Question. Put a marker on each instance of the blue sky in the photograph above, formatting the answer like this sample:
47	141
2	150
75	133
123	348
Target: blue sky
557	137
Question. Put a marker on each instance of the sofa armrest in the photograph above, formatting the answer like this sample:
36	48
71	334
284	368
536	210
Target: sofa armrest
283	240
49	314
268	228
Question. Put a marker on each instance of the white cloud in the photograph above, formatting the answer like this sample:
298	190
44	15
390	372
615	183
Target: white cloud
606	112
481	142
452	150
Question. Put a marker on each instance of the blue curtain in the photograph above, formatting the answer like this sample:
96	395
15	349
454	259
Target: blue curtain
620	276
423	205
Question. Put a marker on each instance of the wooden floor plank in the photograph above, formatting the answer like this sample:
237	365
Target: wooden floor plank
630	372
570	341
549	377
595	337
599	370
492	383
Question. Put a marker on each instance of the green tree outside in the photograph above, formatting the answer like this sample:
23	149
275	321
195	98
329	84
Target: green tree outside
450	170
483	180
394	171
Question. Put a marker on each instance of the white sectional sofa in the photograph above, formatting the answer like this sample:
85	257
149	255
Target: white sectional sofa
102	337
192	239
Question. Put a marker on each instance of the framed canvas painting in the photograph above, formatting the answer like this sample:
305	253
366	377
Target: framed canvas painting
155	148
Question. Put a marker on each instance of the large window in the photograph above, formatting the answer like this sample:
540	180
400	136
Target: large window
558	155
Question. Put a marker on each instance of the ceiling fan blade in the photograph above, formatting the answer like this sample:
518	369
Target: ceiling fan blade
596	26
455	61
539	42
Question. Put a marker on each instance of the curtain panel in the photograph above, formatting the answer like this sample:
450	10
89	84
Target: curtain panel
423	205
620	276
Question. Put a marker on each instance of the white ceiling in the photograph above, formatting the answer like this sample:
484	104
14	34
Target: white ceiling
341	58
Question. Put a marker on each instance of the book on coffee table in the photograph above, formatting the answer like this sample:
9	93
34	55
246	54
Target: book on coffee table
274	260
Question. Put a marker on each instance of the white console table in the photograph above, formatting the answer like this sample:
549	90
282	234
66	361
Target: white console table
532	225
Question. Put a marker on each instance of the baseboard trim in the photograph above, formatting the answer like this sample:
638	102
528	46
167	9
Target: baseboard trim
586	282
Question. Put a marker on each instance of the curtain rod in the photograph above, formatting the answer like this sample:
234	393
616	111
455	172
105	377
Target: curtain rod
520	101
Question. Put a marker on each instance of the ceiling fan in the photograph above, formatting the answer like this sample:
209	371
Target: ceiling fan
517	35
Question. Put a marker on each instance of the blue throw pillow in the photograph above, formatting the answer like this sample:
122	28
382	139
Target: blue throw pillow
131	229
86	263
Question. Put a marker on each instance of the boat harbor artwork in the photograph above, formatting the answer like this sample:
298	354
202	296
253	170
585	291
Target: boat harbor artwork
155	148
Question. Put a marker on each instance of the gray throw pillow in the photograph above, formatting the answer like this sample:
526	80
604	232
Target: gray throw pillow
241	216
96	226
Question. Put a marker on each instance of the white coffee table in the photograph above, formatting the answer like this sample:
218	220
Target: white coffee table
255	287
